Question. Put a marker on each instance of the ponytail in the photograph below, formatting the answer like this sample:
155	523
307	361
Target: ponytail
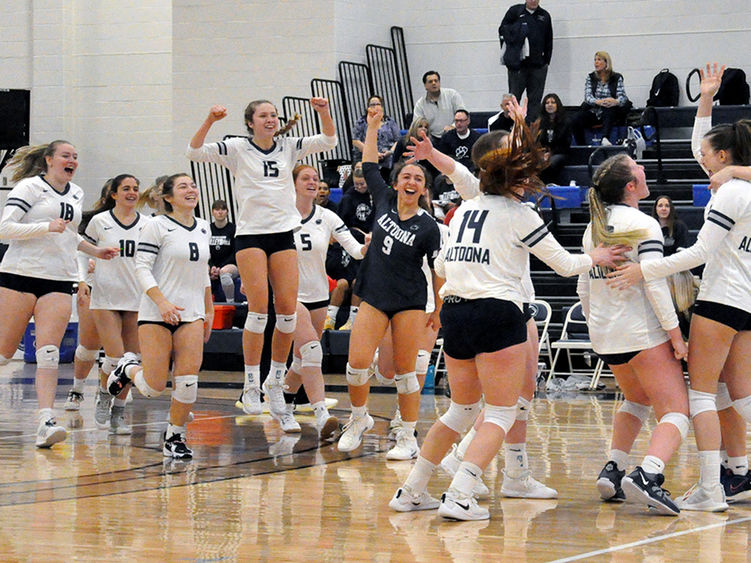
31	160
290	124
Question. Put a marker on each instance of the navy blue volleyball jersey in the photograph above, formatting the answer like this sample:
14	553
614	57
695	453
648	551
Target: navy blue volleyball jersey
391	276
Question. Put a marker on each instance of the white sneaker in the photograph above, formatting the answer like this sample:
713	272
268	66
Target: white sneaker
102	409
451	462
354	429
286	419
251	401
406	446
49	433
456	506
117	421
395	425
700	498
405	501
525	486
274	397
73	403
327	425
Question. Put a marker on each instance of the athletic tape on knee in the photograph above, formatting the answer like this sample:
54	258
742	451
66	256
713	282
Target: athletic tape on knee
108	364
296	364
256	322
677	419
460	417
186	389
144	388
422	362
4	361
83	354
286	323
357	377
699	402
723	400
635	409
743	406
311	354
406	383
48	357
522	408
503	417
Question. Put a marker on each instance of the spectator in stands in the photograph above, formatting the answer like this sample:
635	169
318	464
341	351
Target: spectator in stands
222	249
458	142
323	197
527	32
605	101
401	153
388	135
438	105
674	231
555	138
502	121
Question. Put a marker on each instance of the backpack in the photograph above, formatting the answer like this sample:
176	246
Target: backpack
664	91
733	88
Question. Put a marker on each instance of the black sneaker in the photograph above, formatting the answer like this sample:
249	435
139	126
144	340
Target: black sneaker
646	488
175	447
609	483
117	380
737	487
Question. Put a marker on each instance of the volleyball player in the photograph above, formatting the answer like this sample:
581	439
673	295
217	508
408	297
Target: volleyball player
265	247
312	241
39	269
484	327
636	333
393	291
176	309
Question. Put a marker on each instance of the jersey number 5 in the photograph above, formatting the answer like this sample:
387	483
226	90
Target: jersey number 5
193	251
307	244
270	169
474	220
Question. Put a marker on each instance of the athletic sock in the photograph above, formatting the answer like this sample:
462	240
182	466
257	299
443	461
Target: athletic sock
516	460
78	385
620	457
466	478
418	478
709	468
461	449
652	464
739	465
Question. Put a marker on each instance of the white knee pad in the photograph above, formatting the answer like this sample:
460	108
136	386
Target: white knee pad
723	400
635	409
503	417
4	361
144	388
48	357
109	364
406	383
286	323
256	322
461	417
83	354
743	406
699	402
296	364
382	379
423	361
311	354
186	389
677	419
522	408
357	377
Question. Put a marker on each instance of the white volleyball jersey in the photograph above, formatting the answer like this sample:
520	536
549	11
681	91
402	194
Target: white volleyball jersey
312	242
724	243
430	305
115	287
176	259
632	319
487	252
34	251
264	188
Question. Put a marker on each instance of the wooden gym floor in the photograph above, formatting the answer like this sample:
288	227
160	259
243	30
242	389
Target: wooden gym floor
255	494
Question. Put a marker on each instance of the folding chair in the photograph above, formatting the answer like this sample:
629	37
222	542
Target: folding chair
575	337
541	313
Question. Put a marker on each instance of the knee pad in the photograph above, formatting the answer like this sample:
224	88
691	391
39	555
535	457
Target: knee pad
296	364
423	361
186	389
256	322
503	417
635	409
109	364
286	323
699	402
677	419
144	388
406	383
382	379
522	408
83	354
311	354
226	280
357	377
723	400
461	417
743	406
48	357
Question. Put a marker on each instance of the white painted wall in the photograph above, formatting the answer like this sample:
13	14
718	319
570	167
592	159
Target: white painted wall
129	81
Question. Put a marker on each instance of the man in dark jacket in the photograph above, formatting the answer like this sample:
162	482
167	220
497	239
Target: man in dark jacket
526	33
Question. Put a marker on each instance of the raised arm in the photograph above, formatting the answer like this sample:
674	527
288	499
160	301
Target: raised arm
321	107
215	114
370	147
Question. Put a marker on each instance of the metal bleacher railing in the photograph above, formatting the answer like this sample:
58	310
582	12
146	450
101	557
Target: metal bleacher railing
357	84
334	92
386	81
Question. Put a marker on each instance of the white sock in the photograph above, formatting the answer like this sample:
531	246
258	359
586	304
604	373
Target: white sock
409	427
652	464
466	478
461	449
252	377
353	313
43	415
739	465
320	410
619	457
119	402
516	460
724	457
357	412
277	372
78	385
418	478
331	312
172	430
709	468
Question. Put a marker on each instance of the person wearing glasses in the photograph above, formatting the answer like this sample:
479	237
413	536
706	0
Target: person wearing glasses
388	135
458	142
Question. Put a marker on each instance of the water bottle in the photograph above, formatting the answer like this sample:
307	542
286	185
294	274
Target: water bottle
429	378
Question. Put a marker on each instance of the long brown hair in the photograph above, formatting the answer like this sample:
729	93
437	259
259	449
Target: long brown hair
670	219
253	106
31	160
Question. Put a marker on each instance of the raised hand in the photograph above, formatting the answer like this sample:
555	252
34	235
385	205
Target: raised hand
216	113
711	78
375	117
320	104
419	149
